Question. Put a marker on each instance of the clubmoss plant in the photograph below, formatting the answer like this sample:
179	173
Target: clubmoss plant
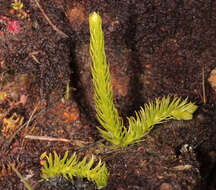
70	168
149	115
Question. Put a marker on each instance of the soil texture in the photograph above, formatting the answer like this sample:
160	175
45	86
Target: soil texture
154	48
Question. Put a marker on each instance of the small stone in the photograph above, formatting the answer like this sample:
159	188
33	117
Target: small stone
76	15
165	186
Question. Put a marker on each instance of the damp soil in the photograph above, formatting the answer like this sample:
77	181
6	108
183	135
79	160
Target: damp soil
154	48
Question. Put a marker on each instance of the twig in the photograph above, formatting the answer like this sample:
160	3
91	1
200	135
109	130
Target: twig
75	142
79	143
203	85
36	60
46	138
91	145
30	118
50	22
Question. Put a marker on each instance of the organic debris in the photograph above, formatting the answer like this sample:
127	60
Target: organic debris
6	169
153	48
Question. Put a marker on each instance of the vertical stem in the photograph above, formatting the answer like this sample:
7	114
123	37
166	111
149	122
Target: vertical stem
107	114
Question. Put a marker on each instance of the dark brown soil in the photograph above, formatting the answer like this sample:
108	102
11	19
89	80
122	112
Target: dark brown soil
155	48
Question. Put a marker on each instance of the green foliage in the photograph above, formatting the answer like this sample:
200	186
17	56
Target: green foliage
17	5
106	111
151	114
155	113
71	167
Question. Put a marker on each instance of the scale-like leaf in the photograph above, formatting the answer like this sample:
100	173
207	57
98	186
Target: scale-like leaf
149	115
156	113
55	166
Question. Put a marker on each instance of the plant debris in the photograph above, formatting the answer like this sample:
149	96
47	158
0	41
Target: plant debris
154	48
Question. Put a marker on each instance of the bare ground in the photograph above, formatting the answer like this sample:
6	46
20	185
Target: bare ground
155	48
